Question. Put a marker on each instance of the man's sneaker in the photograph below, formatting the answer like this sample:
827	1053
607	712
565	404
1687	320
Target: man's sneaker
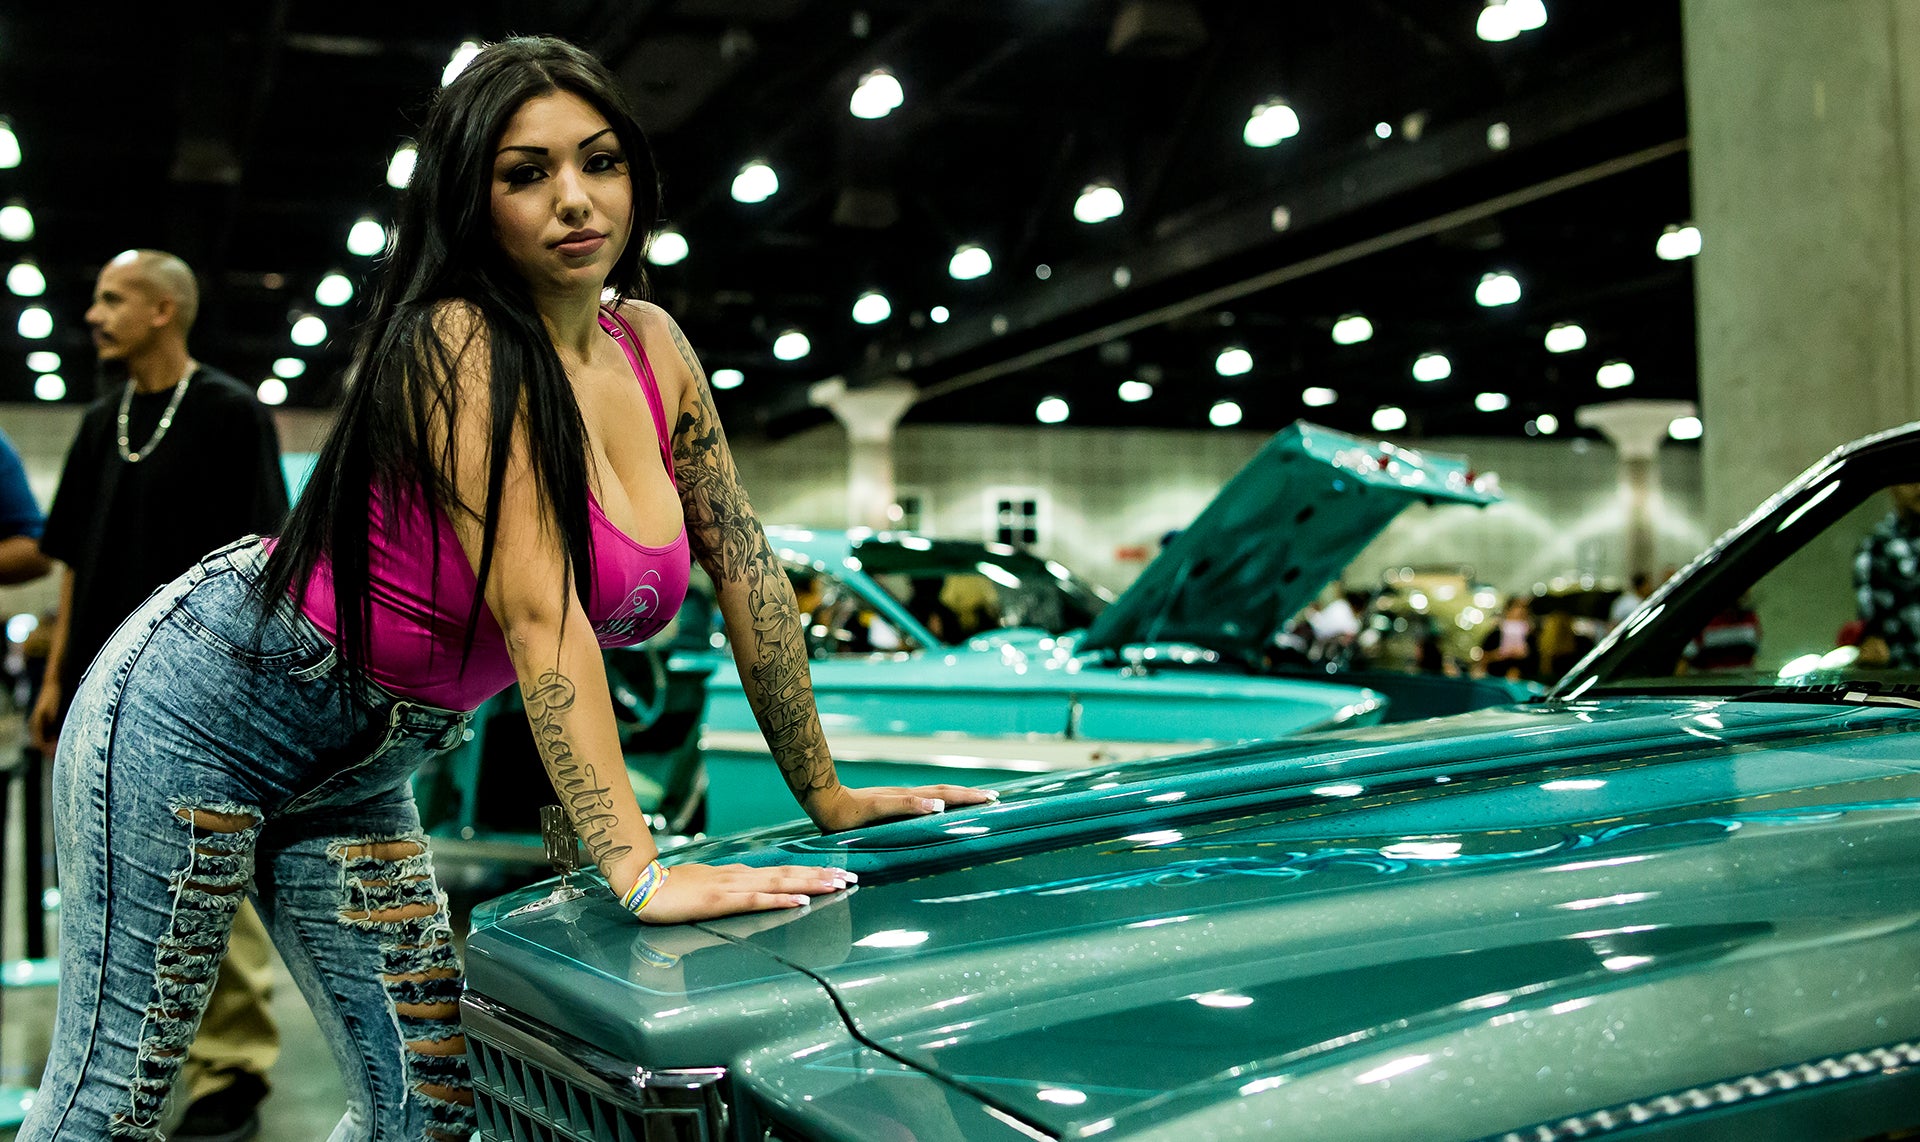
231	1114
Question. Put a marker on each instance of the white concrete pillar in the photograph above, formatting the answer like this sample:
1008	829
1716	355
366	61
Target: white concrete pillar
869	414
1636	429
1805	125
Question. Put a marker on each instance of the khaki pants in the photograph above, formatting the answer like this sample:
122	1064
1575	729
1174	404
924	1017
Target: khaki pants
238	1034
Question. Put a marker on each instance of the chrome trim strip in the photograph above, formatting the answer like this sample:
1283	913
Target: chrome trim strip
1890	1059
625	1084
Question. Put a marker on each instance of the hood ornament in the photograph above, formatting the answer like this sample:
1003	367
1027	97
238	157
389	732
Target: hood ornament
563	853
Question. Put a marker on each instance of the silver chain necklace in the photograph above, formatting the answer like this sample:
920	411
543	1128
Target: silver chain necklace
166	418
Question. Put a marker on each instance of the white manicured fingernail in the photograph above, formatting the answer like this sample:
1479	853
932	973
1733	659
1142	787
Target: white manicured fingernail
851	877
799	901
934	805
993	794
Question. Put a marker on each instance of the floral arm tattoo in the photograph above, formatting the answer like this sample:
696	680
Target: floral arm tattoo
732	547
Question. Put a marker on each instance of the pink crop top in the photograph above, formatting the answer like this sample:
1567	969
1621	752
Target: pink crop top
423	591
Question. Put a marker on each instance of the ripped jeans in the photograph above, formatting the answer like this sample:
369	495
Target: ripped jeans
204	759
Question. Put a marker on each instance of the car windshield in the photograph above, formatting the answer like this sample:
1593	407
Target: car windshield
1821	587
958	589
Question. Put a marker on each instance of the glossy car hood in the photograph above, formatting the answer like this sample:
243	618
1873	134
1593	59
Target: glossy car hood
1286	523
1362	944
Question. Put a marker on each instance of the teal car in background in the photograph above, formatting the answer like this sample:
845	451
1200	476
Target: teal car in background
955	661
1666	902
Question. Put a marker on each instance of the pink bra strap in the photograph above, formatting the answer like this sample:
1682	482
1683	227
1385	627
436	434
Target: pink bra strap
620	331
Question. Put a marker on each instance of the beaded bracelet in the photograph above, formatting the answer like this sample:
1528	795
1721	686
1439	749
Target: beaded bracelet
645	888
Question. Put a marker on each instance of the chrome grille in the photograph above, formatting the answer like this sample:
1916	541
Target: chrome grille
534	1084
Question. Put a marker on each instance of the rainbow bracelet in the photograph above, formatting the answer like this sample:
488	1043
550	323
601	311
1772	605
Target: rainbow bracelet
644	889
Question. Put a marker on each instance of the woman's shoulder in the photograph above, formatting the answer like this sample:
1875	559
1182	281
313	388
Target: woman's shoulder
666	346
647	319
456	321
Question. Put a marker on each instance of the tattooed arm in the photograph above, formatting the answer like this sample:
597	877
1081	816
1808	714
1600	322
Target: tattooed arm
756	600
561	674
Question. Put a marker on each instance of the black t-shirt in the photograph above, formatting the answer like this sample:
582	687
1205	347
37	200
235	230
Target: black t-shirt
126	529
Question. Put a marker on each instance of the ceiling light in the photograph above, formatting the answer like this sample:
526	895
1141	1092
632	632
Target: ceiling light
1490	402
791	345
1053	410
1432	367
1318	397
43	361
1497	288
1387	418
938	315
1546	424
35	323
462	56
16	222
756	182
26	280
872	307
1497	23
1270	123
1685	428
1566	337
1383	130
309	331
877	94
1235	362
400	166
1043	271
334	289
1135	391
970	262
1614	375
367	238
1224	414
288	368
1098	202
727	378
1528	15
9	146
273	390
1352	329
668	248
1677	242
49	386
1499	136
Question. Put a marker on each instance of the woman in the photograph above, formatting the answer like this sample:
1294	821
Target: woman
505	492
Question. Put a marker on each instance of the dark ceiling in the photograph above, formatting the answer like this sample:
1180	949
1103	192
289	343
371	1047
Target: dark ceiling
250	141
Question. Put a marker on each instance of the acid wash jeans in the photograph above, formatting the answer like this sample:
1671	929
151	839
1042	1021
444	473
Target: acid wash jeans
206	757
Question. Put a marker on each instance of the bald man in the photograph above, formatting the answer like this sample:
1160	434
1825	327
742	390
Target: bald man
174	460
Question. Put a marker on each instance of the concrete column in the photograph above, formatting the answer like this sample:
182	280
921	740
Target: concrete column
869	415
1805	120
1636	429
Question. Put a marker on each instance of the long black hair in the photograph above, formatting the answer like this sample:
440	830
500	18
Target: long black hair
394	436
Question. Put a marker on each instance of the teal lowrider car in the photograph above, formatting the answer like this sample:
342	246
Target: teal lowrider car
945	660
1677	899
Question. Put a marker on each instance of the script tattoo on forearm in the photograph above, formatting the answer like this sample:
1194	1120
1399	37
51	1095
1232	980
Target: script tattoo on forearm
733	549
582	792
